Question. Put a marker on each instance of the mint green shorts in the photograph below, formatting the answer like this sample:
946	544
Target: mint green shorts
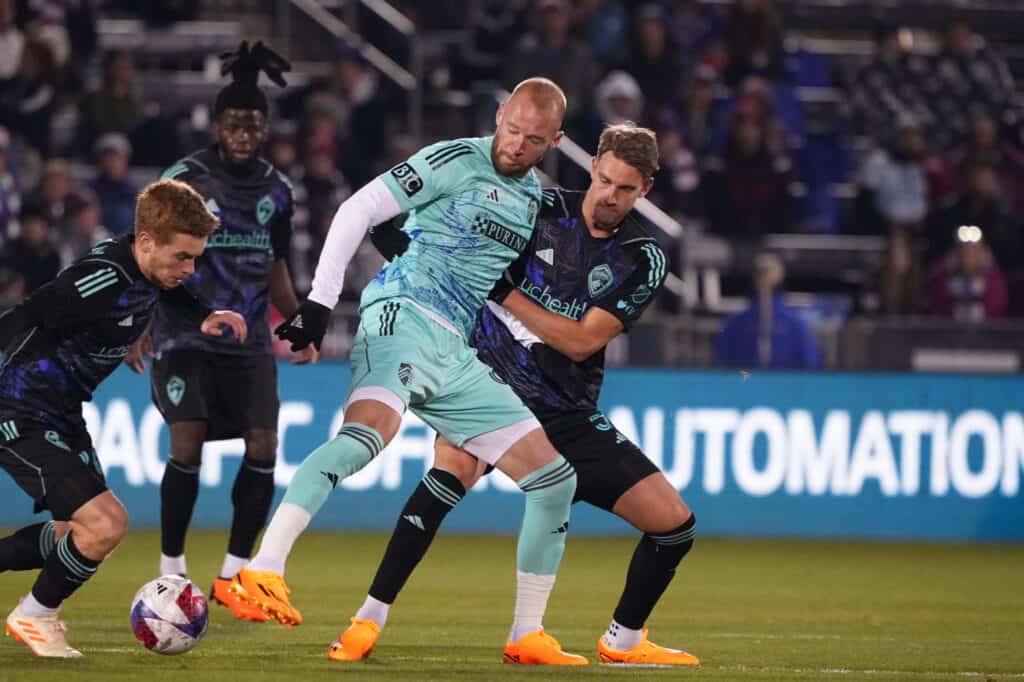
432	371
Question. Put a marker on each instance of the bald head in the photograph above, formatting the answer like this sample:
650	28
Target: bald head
544	94
529	124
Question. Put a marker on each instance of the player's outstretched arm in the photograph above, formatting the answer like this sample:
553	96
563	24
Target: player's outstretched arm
577	340
606	318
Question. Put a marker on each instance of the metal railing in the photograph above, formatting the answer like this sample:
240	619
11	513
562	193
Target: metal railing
410	79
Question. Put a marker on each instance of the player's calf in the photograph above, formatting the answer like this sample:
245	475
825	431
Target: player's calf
27	548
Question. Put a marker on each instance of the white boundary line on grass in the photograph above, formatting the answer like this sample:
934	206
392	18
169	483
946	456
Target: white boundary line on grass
871	672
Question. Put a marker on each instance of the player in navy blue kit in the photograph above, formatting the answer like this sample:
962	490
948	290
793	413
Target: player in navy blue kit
60	343
208	388
588	274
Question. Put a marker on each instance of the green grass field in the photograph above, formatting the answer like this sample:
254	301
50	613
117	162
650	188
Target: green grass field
757	610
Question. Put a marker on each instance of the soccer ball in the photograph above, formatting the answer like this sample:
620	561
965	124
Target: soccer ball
169	615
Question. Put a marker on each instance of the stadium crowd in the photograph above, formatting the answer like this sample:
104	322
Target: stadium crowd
930	140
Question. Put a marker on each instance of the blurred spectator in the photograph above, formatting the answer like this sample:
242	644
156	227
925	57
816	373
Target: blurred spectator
747	190
549	50
30	260
54	188
352	103
28	101
894	186
116	106
282	151
754	42
891	86
618	99
968	77
492	26
605	25
654	61
12	42
10	195
324	186
692	111
981	205
82	228
678	177
967	285
115	192
693	26
769	334
900	282
984	146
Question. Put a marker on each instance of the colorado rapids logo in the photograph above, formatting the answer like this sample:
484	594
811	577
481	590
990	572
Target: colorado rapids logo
175	390
599	279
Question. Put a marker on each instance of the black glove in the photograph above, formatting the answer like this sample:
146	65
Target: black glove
307	325
502	288
389	239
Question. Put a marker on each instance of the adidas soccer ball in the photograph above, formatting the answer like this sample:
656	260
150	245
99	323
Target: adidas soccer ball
169	615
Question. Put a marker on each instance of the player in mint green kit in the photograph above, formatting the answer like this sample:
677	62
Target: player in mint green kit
472	204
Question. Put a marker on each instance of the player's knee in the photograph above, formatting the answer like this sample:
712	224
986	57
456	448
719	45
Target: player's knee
105	531
261	447
674	514
554	483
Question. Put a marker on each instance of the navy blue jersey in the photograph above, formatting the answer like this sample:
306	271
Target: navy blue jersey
568	271
255	211
72	332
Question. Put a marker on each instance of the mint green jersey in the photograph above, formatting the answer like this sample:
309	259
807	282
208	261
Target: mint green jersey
468	223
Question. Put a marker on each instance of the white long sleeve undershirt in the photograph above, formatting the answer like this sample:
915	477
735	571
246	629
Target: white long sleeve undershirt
371	205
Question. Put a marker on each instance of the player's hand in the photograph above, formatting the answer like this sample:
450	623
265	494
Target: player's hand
305	326
137	354
212	325
307	356
389	239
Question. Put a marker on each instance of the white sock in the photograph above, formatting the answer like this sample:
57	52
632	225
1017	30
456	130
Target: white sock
173	565
285	528
375	610
621	638
30	607
232	564
532	593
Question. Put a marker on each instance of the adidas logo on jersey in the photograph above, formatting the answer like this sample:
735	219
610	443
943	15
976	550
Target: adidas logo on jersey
126	322
493	196
297	322
547	255
414	520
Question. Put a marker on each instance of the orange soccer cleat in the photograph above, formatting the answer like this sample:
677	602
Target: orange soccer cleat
645	653
241	608
44	635
356	643
267	591
540	648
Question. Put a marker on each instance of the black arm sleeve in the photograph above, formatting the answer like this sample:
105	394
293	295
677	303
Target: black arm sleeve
629	300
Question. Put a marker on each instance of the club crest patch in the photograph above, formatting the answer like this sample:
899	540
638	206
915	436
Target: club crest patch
265	209
599	279
175	390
